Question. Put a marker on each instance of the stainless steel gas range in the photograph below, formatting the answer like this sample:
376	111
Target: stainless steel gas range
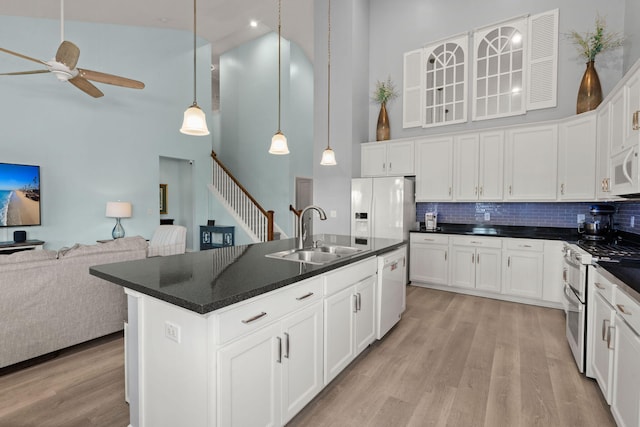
577	259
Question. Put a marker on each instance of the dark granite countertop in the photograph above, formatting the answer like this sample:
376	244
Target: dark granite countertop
628	275
209	280
524	232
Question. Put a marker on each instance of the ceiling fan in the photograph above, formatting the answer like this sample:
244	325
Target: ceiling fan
63	66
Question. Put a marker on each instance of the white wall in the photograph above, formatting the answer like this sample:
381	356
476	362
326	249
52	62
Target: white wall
95	150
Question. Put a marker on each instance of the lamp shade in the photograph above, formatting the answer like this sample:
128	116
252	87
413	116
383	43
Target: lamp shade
328	157
279	144
194	122
118	210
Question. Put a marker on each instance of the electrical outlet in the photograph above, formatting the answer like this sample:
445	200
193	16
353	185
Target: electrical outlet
633	221
172	331
487	216
580	218
333	214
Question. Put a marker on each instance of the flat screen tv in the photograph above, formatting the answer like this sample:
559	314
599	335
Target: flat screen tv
19	195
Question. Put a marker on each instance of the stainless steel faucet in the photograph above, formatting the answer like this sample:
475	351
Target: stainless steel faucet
302	229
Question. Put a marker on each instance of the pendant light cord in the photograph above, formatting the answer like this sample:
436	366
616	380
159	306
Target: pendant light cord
279	60
194	53
329	78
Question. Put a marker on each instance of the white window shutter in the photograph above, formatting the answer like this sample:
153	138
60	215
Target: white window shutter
542	87
412	89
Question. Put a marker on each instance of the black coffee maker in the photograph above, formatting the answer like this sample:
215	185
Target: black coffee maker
600	224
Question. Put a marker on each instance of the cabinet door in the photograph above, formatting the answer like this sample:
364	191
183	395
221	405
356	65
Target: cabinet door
531	163
602	353
366	314
631	135
463	266
302	359
577	158
434	169
373	157
429	264
603	138
523	274
249	380
491	166
618	122
339	329
466	151
489	269
625	404
400	158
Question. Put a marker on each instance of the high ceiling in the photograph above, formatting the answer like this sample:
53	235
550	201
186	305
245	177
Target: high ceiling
225	23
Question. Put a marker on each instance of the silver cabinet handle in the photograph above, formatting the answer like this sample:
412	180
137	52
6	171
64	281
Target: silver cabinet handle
304	296
481	189
478	258
509	262
254	318
473	257
609	344
355	303
449	190
623	310
525	246
510	192
475	191
359	301
598	285
390	168
475	242
445	255
279	360
635	122
564	275
561	188
286	345
604	329
384	166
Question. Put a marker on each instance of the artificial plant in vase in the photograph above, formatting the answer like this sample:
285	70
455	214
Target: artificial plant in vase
589	45
384	92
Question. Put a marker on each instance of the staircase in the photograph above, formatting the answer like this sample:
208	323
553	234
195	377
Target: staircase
253	219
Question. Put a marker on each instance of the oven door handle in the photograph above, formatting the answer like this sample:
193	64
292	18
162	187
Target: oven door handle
573	299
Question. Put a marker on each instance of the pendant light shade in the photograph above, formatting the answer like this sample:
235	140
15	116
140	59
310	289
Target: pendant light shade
279	144
279	141
328	156
194	121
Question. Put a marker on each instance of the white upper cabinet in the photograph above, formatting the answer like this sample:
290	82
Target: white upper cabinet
542	70
577	158
412	89
434	169
632	111
531	161
387	159
478	166
603	140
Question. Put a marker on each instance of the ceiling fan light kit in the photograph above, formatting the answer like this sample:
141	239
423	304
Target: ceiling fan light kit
194	121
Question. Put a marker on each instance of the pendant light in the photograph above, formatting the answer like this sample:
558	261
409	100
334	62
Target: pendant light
195	121
279	141
328	156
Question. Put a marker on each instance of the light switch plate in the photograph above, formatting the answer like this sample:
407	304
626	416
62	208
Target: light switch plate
172	331
580	218
487	216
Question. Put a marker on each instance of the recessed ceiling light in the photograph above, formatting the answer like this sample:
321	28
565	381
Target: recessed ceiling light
253	23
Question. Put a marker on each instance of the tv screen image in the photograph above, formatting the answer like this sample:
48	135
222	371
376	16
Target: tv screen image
19	195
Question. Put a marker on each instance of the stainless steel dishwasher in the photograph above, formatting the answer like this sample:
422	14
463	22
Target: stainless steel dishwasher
392	281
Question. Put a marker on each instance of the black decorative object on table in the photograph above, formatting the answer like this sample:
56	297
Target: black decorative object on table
216	236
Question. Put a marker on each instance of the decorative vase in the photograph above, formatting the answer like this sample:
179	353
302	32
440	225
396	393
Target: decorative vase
383	132
590	92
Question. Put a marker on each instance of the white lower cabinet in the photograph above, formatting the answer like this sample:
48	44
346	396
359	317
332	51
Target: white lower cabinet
523	268
268	376
602	337
349	325
429	258
476	263
625	404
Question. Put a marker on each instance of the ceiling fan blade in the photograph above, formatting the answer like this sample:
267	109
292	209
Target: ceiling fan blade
68	54
28	58
110	79
19	73
86	86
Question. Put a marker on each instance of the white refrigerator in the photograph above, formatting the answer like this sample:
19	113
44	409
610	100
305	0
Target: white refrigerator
382	207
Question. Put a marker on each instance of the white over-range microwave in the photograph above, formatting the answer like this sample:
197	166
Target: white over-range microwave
625	180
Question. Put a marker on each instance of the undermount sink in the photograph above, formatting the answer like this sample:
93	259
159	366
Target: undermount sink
319	256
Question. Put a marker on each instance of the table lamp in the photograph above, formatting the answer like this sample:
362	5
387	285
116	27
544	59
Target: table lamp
118	210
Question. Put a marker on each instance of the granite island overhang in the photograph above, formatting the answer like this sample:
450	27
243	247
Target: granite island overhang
206	281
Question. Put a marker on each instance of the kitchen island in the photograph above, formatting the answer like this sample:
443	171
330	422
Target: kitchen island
232	337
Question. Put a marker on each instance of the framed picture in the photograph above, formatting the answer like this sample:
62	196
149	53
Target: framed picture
163	199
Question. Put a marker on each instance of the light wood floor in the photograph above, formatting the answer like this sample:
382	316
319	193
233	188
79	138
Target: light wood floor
453	360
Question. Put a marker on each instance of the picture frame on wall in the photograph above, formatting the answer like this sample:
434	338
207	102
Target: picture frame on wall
163	199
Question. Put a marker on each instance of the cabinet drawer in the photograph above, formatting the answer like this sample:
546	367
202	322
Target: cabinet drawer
249	316
480	242
605	288
525	245
431	238
346	276
628	309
